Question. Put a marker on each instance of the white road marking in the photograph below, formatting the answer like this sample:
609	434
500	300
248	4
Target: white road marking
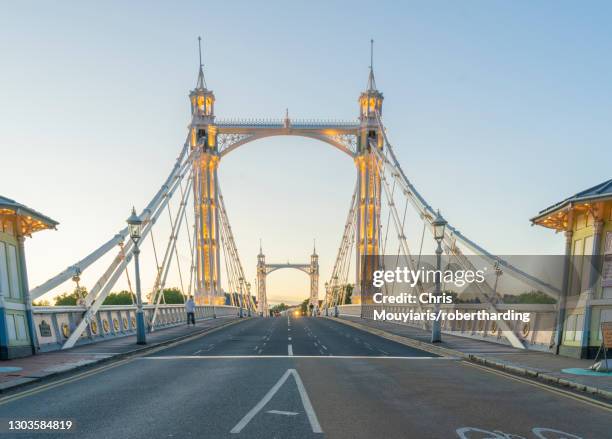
310	413
281	412
91	353
289	338
340	357
290	350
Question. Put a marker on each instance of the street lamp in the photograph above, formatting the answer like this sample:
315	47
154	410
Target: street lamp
241	295
439	224
326	299
135	229
248	285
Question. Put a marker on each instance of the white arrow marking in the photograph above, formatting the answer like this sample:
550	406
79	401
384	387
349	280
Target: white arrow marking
310	413
281	412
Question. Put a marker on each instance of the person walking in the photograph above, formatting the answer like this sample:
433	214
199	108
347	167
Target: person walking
190	308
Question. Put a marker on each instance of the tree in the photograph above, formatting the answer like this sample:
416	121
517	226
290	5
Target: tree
280	307
171	295
120	298
42	302
348	294
530	297
71	299
304	307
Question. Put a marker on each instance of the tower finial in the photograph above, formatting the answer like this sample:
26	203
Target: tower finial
200	49
371	80
201	84
260	250
314	246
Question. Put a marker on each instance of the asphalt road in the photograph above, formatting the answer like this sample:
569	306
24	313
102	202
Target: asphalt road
302	378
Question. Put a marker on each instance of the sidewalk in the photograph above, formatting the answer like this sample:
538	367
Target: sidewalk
542	366
49	364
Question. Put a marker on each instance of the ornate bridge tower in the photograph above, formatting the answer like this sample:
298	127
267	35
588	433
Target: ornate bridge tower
368	180
210	140
264	269
203	142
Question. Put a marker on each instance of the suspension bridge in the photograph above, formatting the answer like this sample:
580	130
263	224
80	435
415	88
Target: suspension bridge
293	376
377	224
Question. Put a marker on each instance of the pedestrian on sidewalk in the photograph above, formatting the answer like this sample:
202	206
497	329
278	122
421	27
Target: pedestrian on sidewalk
190	308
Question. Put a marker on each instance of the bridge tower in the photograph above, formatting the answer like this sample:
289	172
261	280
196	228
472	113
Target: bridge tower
368	178
314	278
203	142
262	272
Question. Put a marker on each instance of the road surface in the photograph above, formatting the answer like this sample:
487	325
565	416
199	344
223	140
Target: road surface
301	378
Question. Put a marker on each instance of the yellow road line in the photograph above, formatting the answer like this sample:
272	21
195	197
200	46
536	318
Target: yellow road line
568	394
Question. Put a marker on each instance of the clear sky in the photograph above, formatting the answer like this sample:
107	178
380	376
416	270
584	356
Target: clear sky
496	109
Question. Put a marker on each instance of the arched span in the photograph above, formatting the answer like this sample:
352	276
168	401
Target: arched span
301	267
317	136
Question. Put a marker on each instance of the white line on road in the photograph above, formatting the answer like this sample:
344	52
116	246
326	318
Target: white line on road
289	338
281	412
310	413
246	357
290	350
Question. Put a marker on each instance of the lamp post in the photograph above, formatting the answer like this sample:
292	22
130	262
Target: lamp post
135	229
326	299
241	295
248	285
439	224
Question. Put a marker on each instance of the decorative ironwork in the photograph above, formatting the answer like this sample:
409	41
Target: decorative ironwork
348	140
225	140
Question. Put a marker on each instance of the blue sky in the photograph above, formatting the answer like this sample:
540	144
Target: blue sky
496	109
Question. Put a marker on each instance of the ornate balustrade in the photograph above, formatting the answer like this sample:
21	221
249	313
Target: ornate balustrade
54	324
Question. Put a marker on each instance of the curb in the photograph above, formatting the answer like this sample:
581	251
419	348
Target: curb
26	381
525	372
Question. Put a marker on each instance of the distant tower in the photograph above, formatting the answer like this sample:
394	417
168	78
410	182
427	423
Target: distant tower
314	277
368	177
203	141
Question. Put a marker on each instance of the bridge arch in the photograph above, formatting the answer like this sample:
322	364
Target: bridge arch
343	146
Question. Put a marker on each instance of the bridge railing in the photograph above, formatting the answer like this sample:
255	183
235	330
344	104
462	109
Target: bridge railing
54	324
280	123
537	334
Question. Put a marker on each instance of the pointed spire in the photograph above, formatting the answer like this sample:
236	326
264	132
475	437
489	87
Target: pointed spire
314	246
260	250
371	80
201	84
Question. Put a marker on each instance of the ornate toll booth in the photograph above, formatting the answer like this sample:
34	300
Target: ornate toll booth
586	301
17	333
